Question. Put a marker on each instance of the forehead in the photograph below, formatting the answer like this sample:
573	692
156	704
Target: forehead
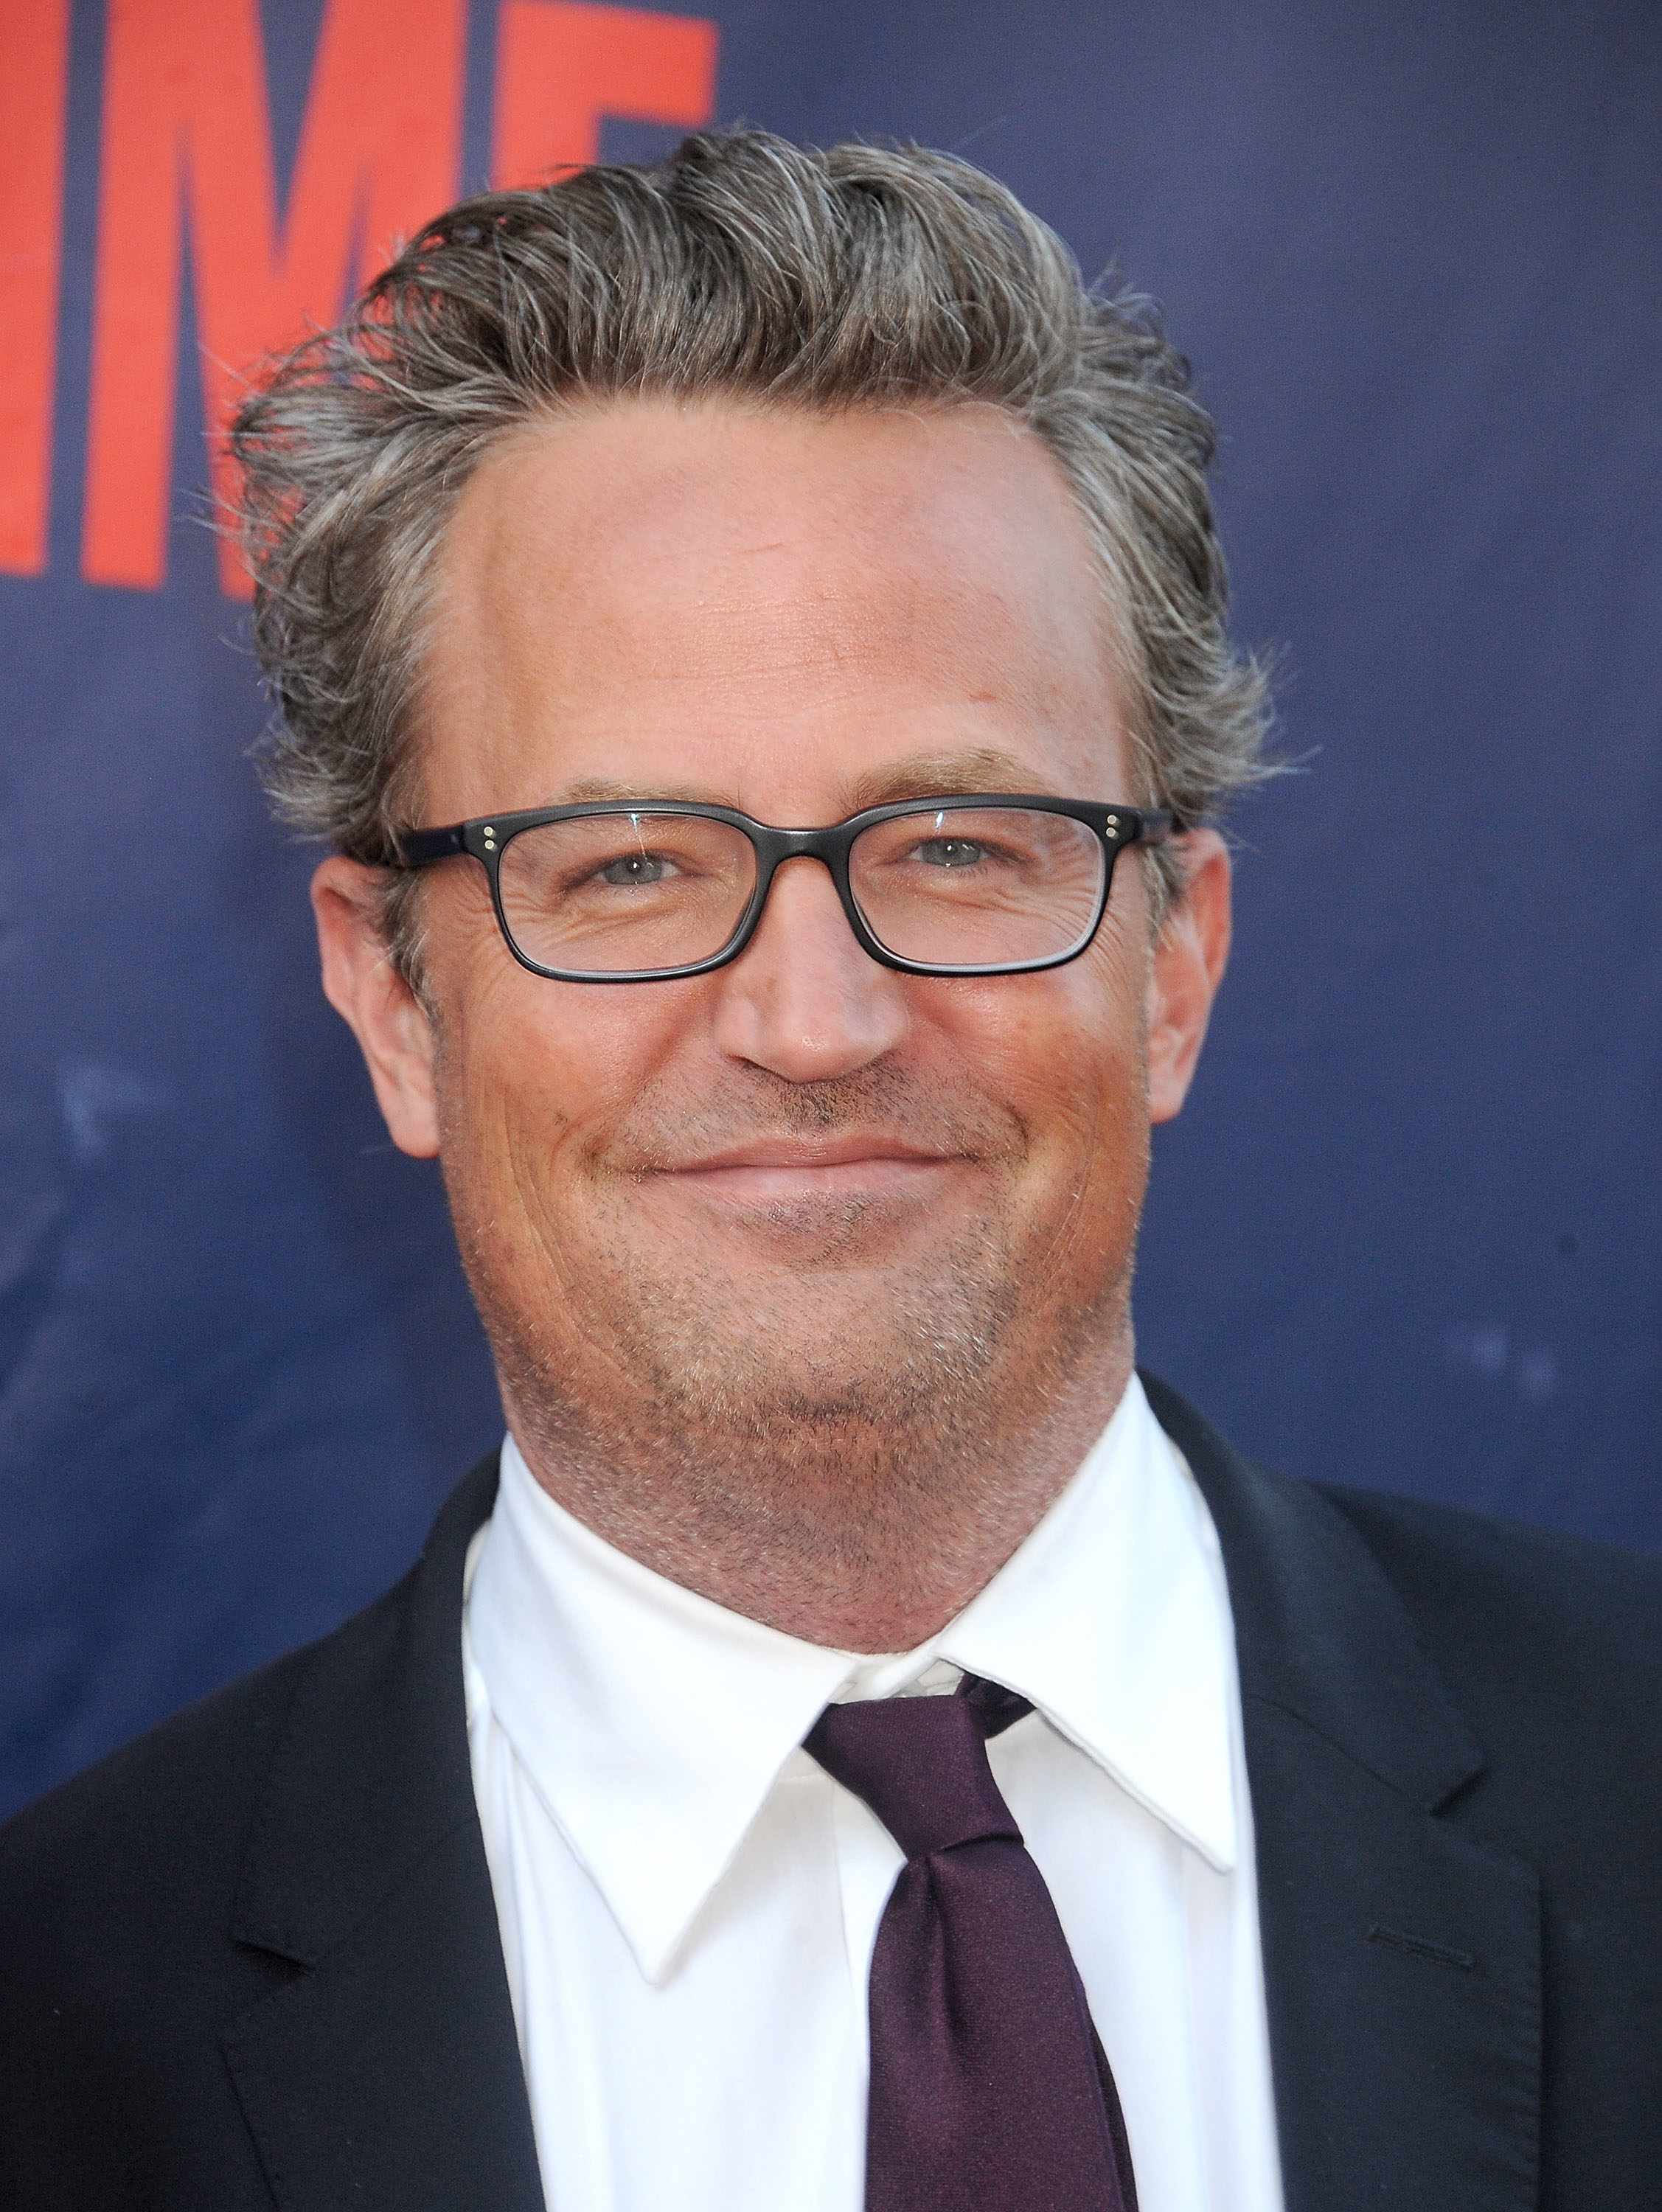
713	595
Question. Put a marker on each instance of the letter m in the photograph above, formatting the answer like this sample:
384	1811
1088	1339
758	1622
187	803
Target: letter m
187	144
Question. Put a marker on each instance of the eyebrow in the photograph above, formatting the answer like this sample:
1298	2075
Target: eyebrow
942	775
919	776
599	790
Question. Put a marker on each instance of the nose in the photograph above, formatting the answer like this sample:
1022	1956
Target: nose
802	1000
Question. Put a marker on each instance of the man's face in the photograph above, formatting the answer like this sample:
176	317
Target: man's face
803	1200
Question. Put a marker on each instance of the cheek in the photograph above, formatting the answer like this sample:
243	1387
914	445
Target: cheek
1063	1050
536	1076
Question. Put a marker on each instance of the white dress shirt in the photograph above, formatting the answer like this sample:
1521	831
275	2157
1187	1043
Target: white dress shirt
688	1902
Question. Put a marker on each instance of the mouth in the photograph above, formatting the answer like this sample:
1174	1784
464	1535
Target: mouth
774	1170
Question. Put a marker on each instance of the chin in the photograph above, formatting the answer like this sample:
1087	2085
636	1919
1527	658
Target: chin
814	1346
768	1250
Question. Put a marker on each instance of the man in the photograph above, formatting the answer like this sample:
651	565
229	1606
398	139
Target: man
754	633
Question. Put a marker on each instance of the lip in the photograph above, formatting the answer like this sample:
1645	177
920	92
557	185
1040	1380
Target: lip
799	1153
773	1169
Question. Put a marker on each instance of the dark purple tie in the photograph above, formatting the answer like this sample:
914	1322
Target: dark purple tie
989	2090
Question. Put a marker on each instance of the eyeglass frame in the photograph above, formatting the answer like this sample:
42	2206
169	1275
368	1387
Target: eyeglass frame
485	837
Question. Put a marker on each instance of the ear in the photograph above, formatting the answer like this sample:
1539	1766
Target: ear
364	987
1189	960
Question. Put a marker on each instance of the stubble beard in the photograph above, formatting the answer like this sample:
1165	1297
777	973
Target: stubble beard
839	1448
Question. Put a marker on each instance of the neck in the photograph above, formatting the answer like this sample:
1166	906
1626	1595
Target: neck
834	1529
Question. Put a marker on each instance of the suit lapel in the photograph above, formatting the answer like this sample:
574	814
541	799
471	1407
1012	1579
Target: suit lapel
1401	1955
387	2073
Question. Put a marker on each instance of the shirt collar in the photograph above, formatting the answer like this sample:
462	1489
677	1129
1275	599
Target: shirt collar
652	1723
1113	1618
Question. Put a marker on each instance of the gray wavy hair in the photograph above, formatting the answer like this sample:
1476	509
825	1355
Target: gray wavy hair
744	266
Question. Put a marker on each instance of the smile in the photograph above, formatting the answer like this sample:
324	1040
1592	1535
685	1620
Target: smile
771	1170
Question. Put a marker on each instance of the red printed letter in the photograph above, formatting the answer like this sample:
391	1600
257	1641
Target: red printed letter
35	61
562	66
186	122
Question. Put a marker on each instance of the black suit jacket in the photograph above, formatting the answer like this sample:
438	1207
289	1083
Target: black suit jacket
254	1958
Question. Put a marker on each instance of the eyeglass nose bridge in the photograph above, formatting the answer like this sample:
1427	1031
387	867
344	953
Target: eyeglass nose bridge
831	846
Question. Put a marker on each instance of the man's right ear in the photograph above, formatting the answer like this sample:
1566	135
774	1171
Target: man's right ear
389	1020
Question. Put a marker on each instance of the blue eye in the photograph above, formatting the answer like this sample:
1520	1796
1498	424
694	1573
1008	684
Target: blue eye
635	868
950	853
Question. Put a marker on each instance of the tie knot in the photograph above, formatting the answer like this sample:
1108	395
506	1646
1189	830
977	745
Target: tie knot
920	1764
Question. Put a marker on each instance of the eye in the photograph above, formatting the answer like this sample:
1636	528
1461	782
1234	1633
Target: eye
950	853
635	868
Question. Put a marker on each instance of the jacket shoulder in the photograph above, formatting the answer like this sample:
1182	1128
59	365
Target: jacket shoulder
188	1786
119	1888
119	1894
117	1825
195	1781
152	1904
1551	1644
1555	1609
1553	1647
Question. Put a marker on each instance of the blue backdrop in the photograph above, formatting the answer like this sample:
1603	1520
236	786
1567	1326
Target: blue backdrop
1407	1233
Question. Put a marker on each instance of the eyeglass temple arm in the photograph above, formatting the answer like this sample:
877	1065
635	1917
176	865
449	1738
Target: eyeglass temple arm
419	848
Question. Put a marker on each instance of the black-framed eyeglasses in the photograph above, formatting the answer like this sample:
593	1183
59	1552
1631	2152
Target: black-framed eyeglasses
639	890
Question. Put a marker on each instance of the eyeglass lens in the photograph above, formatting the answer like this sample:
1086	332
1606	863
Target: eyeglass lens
609	894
